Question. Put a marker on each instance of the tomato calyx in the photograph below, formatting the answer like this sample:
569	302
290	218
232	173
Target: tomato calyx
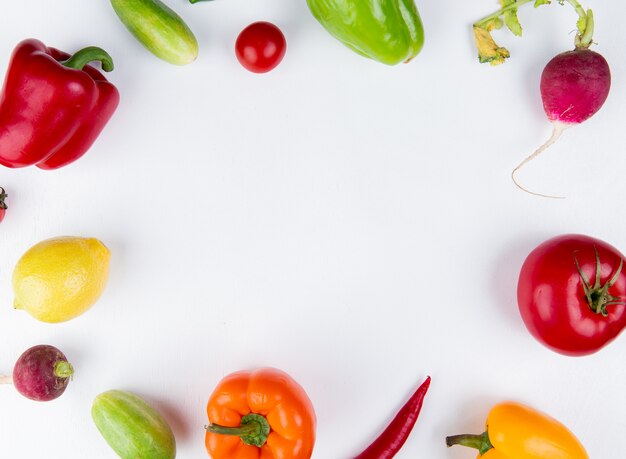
598	296
254	430
3	196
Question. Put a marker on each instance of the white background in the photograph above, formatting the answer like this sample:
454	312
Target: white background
350	223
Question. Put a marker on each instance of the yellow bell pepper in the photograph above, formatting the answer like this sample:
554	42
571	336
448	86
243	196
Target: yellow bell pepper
515	431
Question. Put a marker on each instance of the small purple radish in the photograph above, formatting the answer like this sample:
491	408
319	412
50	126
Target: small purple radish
574	86
42	373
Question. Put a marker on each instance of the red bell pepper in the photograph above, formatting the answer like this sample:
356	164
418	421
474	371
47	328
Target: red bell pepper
53	106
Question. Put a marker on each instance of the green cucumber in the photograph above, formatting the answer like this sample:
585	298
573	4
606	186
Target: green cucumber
159	29
132	427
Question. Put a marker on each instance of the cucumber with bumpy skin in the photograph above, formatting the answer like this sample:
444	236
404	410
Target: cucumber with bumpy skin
159	29
132	427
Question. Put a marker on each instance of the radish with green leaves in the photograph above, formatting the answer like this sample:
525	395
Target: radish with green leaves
41	373
574	84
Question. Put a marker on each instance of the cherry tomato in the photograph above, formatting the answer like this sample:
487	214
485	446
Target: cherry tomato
260	47
572	294
3	206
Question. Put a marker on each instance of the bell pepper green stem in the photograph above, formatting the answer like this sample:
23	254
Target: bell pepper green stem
479	442
254	430
87	55
240	431
196	1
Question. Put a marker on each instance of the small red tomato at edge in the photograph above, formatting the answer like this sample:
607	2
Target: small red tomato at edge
572	294
3	206
260	47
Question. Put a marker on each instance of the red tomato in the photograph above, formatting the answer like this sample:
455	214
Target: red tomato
3	206
572	293
260	47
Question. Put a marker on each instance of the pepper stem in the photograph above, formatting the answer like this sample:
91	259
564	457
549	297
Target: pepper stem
254	430
3	196
479	442
87	55
63	369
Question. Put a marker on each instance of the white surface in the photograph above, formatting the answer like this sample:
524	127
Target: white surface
350	223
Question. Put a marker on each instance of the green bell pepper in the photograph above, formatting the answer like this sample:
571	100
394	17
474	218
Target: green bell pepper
389	31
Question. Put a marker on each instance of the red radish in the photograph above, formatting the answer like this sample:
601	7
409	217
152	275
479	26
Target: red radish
574	86
41	373
3	206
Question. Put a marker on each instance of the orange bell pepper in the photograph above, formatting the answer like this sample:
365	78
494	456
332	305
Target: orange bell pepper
516	431
263	414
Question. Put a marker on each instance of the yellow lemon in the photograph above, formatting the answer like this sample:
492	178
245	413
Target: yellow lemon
59	279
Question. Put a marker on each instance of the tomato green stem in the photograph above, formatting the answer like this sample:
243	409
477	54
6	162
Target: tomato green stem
254	430
86	55
3	196
479	442
598	296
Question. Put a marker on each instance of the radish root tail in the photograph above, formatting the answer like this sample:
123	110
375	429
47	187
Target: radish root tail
556	133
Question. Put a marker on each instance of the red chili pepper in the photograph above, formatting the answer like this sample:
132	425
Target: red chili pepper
391	440
53	106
